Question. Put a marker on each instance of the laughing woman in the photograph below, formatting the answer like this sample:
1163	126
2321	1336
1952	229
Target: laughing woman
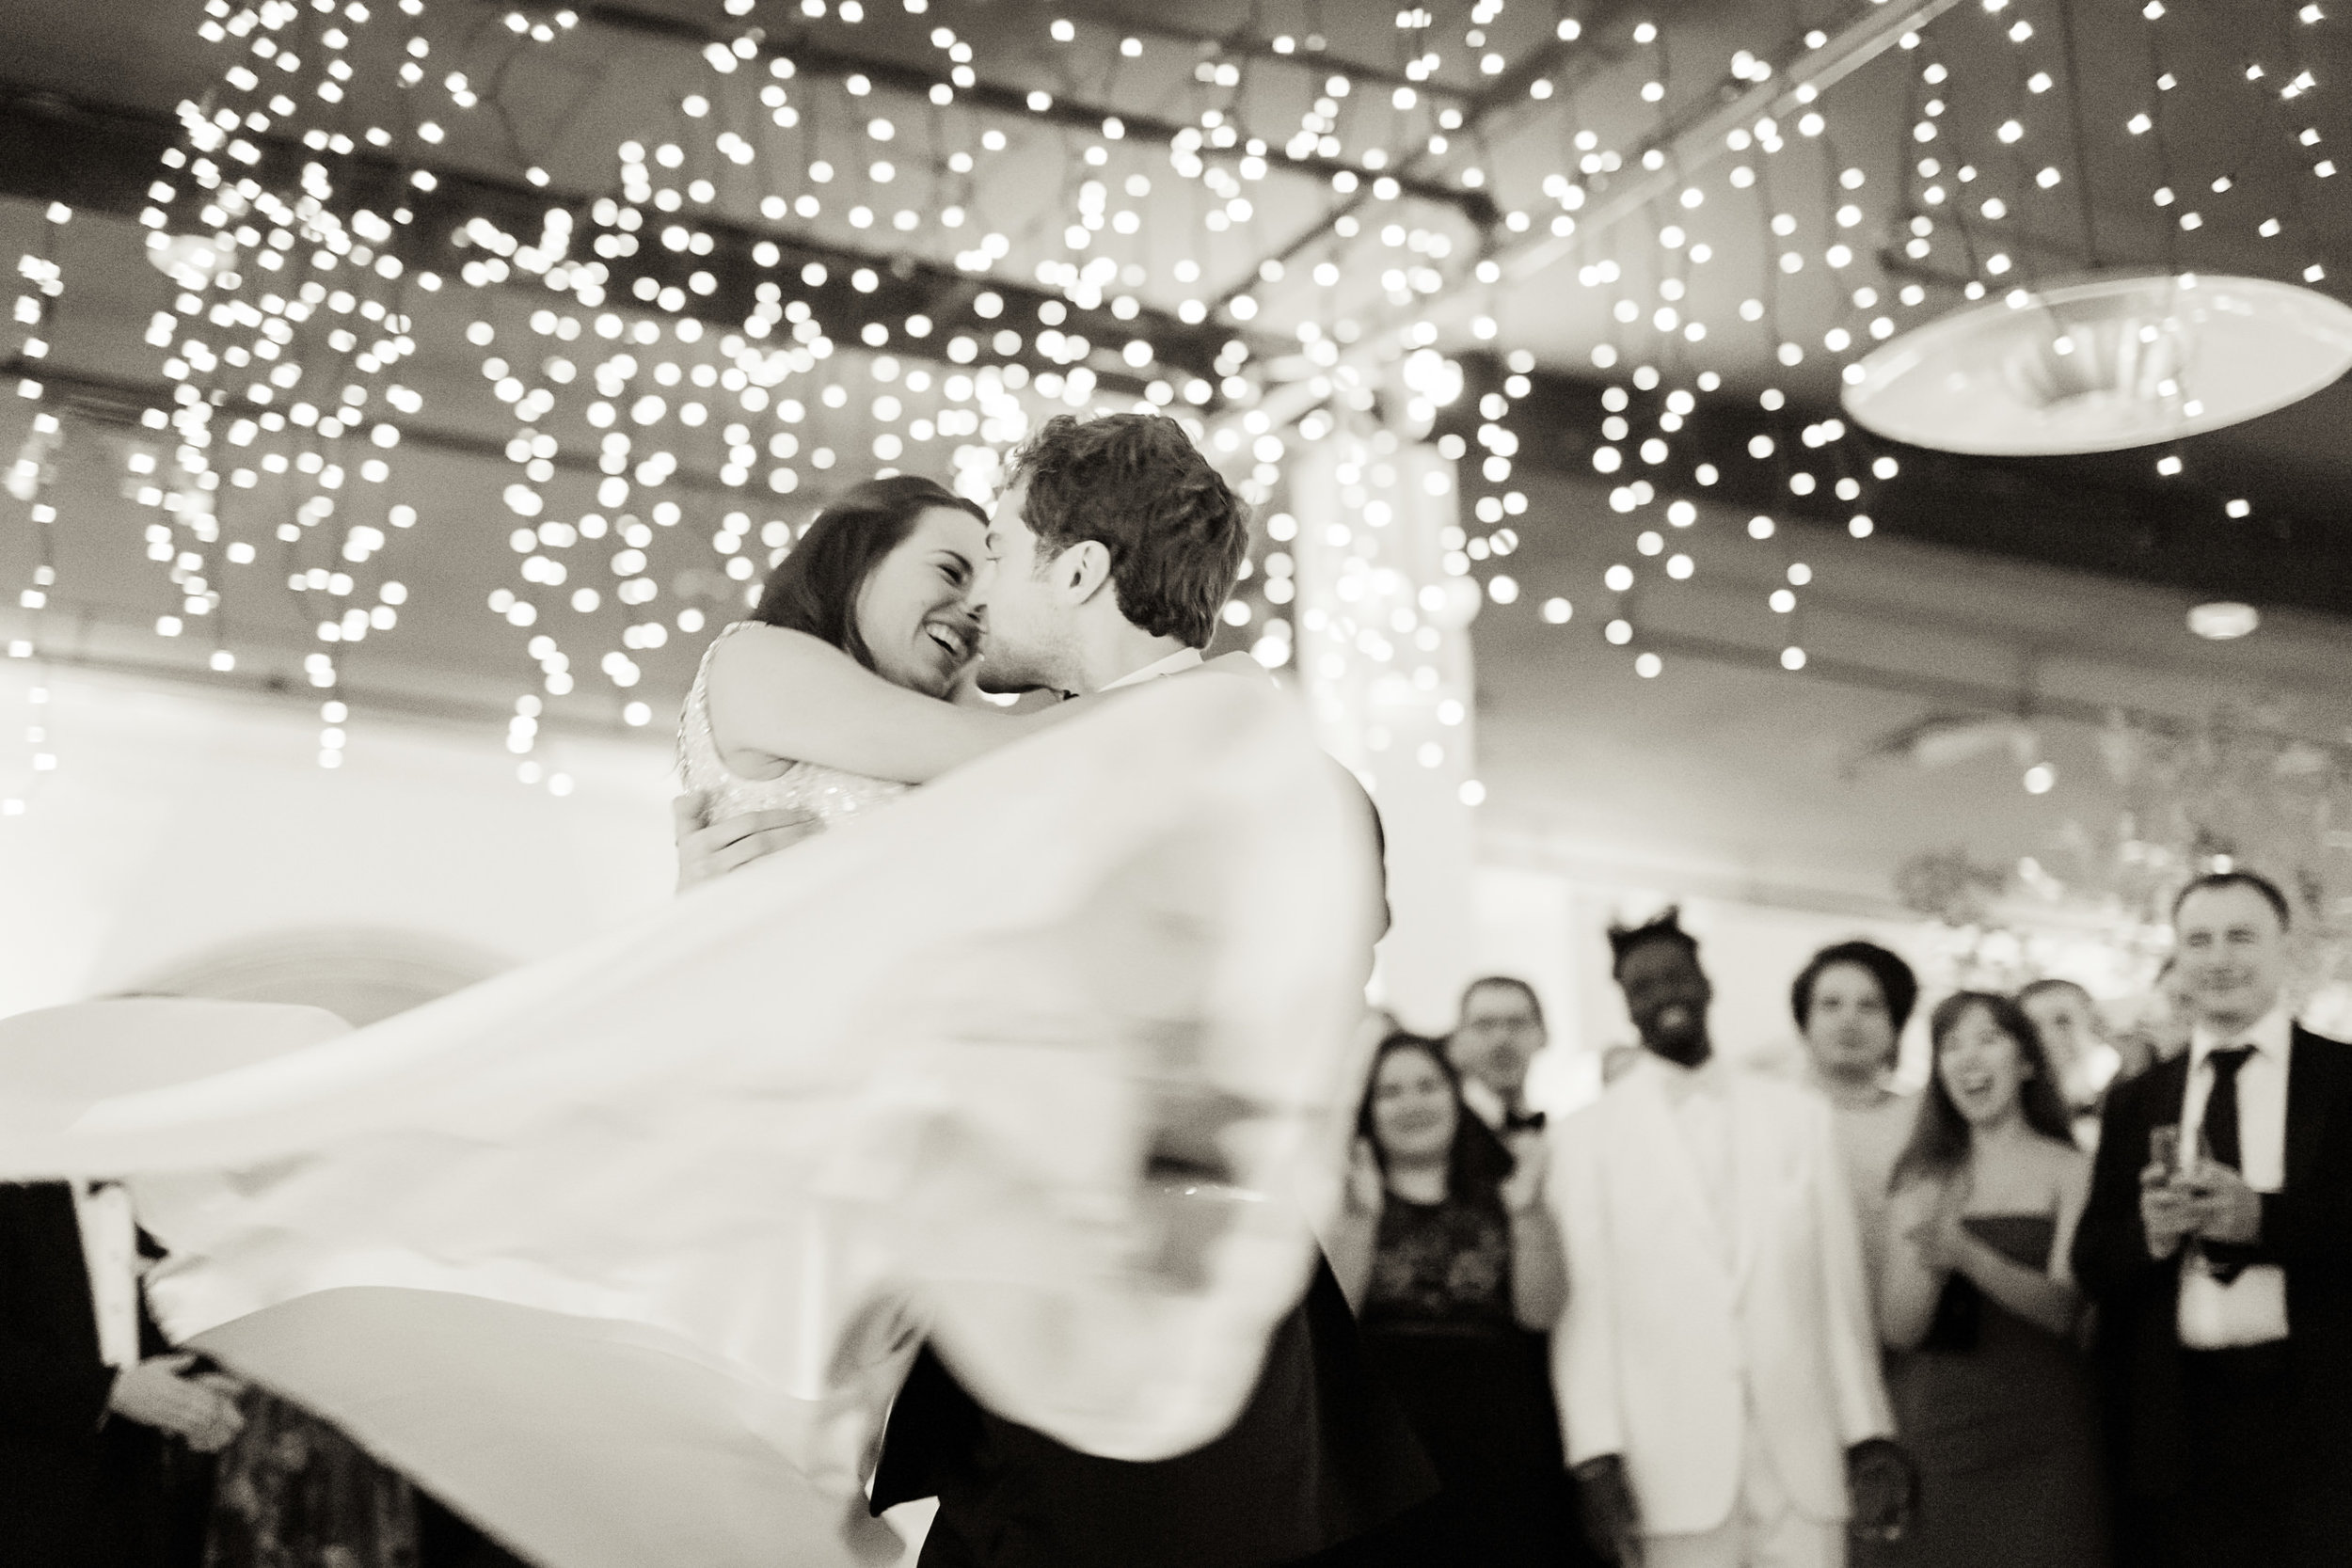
1991	1395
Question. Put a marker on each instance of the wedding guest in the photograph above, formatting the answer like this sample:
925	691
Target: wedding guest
2075	1038
1991	1393
1453	1259
1851	1001
2215	1246
1501	1030
2161	1031
293	1492
1717	1369
103	1431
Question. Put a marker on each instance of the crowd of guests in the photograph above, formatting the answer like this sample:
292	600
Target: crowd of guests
1767	1322
2076	1301
116	1451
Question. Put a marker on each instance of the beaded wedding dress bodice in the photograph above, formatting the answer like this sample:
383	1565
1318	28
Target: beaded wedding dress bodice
829	794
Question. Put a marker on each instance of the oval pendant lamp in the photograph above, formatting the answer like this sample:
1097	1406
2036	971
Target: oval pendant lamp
2103	364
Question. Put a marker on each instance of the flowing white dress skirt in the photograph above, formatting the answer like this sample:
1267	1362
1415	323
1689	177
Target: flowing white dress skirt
623	1254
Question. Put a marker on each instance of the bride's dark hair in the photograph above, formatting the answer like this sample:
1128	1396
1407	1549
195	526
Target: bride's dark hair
814	587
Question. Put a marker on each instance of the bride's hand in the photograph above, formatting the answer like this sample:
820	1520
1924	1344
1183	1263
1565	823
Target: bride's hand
709	850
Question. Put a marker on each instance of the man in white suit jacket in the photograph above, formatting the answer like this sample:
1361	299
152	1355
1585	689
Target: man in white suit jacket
1717	1369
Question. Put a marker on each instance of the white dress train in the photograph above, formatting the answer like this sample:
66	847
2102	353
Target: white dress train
622	1254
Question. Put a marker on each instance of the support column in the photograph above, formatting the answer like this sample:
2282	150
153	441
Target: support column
1383	651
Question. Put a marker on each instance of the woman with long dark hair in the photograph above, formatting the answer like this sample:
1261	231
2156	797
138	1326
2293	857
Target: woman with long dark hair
1455	1264
1990	1394
786	713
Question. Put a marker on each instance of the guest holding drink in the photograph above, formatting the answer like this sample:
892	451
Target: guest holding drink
1454	1263
1992	1395
2218	1246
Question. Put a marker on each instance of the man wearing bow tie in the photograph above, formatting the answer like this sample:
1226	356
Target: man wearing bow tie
2217	1243
1500	1031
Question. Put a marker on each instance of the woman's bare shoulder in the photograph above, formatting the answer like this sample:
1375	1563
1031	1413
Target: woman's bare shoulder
759	640
2062	1164
752	656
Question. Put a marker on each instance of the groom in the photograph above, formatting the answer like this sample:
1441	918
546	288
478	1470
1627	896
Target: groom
1117	546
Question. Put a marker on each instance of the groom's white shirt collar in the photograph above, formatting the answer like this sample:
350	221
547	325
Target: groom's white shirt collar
1183	658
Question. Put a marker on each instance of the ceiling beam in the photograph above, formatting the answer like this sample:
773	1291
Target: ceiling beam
1696	138
102	157
1481	108
1692	141
1246	41
2103	513
823	59
113	401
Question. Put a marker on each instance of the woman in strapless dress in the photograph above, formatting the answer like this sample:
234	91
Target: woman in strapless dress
1992	1395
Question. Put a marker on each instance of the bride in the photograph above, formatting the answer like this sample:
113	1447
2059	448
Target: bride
587	1248
856	674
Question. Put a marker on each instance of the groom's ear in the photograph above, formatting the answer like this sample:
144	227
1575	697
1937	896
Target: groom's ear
1083	570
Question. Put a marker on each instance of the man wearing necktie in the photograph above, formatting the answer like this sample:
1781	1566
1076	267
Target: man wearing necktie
2217	1242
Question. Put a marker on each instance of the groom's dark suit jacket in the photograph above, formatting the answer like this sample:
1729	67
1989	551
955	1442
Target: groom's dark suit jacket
1320	1455
78	1489
2306	1229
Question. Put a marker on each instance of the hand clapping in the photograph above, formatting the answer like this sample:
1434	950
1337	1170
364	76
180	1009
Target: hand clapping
1933	1212
1530	1157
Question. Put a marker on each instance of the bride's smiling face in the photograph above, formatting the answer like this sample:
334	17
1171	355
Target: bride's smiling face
920	610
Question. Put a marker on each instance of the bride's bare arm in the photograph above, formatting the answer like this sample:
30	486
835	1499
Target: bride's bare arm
786	695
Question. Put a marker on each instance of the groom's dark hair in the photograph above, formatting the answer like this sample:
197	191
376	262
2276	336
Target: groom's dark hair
1136	483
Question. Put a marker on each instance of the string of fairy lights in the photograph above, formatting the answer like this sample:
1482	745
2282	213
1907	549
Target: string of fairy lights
682	380
291	321
31	482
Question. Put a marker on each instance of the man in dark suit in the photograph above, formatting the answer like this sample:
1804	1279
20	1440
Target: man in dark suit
1318	1467
2223	1275
102	1432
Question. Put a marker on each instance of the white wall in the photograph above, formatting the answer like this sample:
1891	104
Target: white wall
180	821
